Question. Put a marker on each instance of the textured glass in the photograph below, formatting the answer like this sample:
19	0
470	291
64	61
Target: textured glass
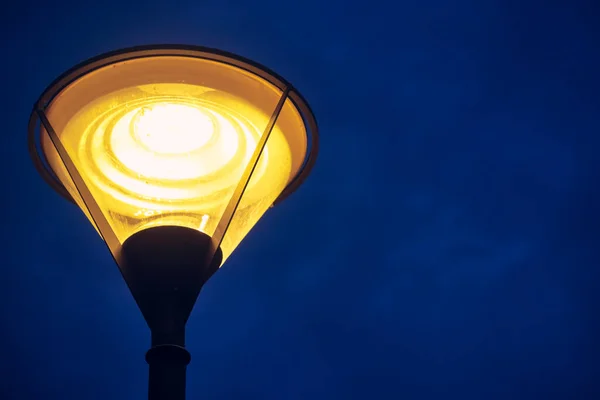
261	193
164	141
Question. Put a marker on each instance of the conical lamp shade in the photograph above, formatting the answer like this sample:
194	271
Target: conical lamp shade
165	140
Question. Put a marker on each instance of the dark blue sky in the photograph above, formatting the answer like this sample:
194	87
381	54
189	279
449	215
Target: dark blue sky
447	245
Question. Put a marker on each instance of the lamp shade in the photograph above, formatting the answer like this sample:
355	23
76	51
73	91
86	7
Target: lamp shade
174	136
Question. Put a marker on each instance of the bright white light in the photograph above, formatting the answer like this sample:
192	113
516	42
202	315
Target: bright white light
168	128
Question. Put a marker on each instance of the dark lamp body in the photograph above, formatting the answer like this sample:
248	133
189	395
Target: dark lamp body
165	268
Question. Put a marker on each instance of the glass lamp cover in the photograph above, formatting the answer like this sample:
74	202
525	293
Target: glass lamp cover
164	141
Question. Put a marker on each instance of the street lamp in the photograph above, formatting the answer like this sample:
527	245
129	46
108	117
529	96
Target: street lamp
173	153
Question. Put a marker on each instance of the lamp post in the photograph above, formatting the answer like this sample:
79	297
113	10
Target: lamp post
173	153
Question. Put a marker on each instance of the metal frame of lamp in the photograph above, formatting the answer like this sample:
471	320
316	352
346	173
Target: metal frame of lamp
166	264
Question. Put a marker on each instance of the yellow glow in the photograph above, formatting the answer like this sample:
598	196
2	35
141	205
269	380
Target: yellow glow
171	128
171	154
163	149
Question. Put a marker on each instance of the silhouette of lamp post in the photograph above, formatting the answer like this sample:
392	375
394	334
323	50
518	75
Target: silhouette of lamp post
173	153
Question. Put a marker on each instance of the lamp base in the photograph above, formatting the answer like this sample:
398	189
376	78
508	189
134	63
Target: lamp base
165	267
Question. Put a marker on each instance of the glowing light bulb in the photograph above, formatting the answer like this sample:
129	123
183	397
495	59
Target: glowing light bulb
170	128
171	141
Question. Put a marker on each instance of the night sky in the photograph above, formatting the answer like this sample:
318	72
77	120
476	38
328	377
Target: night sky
446	245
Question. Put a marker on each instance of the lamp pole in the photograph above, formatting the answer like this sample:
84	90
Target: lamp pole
173	153
165	269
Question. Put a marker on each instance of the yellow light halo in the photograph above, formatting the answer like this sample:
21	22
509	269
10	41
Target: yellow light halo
119	152
112	123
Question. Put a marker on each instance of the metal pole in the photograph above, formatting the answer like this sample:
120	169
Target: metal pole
167	360
165	269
